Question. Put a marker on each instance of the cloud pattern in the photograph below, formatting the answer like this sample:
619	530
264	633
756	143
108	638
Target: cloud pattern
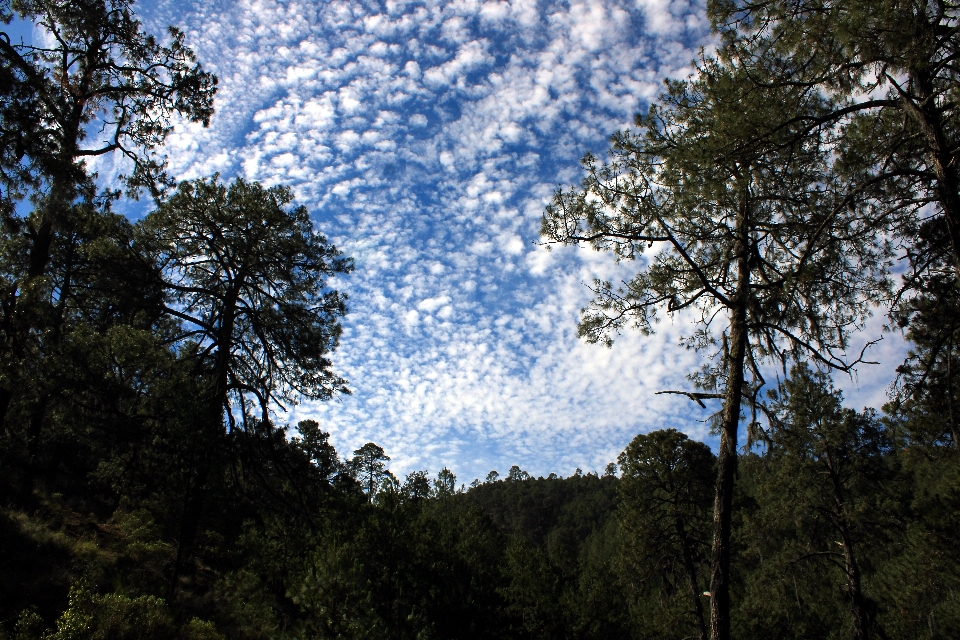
426	137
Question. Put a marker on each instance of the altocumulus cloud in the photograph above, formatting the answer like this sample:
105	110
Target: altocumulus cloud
426	138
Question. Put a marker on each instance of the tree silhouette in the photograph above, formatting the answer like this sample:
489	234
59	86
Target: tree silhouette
368	465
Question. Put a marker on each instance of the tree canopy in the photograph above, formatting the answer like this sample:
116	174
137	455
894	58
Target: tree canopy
247	275
754	235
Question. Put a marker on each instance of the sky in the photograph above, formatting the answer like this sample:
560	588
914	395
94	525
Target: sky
426	138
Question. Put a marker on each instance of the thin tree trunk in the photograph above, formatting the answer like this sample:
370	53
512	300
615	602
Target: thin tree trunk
40	249
203	448
691	569
850	566
181	555
730	422
854	589
190	521
950	393
34	433
212	428
6	395
38	260
726	473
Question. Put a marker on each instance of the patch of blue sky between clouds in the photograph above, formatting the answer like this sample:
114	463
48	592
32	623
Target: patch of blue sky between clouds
426	138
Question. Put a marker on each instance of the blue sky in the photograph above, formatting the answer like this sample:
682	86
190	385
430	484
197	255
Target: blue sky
426	138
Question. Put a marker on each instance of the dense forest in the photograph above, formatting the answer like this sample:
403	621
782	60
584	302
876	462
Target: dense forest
802	178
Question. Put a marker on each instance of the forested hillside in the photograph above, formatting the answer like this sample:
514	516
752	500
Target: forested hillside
287	552
802	179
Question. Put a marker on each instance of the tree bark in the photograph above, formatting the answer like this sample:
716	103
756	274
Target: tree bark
950	392
927	115
34	433
41	234
730	421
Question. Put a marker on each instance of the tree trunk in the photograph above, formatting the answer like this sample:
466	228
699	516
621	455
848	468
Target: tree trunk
730	421
927	115
211	431
950	393
854	590
726	473
32	466
190	521
41	235
691	569
850	566
41	245
6	395
203	450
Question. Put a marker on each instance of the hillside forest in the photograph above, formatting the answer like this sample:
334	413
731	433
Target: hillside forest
802	178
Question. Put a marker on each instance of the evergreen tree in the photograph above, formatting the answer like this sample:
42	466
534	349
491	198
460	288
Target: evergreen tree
755	238
245	275
369	468
100	72
891	69
829	468
665	503
926	398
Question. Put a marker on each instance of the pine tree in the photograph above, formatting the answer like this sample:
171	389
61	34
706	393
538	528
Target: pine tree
244	275
665	506
101	73
755	241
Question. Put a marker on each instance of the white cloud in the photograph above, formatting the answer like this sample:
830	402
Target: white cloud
445	312
494	12
472	55
591	25
513	246
432	304
539	260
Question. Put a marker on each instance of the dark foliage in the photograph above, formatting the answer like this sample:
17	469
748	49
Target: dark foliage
148	491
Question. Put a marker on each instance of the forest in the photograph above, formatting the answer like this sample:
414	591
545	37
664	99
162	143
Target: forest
802	178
